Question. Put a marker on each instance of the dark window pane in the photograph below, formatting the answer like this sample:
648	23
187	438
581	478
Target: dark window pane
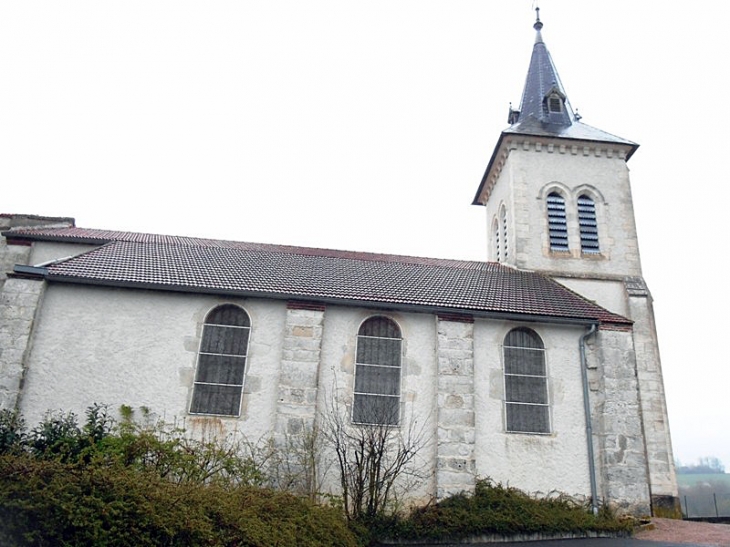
373	409
228	314
377	379
523	338
378	351
380	326
526	389
528	418
226	340
524	361
220	369
224	400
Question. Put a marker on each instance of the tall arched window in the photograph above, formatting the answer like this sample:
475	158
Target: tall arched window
525	381
557	223
505	248
221	362
588	225
377	373
497	241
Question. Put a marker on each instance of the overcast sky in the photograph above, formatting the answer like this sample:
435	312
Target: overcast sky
367	125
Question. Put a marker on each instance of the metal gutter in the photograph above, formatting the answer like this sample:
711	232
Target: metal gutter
38	271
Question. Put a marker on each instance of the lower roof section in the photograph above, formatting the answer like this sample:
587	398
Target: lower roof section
128	259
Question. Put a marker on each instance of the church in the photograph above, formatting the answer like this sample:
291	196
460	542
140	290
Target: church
538	368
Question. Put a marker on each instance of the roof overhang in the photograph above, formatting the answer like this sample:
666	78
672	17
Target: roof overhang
406	307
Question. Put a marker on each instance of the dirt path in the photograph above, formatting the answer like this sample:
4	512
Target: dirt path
682	531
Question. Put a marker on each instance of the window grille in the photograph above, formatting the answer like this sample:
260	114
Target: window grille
525	378
377	373
221	362
588	225
557	222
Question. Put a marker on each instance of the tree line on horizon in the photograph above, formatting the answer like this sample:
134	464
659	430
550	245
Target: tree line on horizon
707	465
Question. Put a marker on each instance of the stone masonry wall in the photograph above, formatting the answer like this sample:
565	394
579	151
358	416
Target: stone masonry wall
662	475
456	464
618	430
10	255
19	302
296	407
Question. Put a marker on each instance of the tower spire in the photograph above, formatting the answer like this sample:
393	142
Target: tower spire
543	98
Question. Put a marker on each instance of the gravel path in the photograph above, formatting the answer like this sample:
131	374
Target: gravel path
683	531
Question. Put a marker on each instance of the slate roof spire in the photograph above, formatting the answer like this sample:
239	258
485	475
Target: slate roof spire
543	98
544	112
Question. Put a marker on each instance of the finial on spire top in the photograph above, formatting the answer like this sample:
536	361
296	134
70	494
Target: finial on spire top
538	24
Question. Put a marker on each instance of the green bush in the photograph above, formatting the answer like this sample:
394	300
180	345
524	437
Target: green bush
132	484
148	484
50	502
12	432
499	510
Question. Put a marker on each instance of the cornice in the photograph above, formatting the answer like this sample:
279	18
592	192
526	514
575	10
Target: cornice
543	145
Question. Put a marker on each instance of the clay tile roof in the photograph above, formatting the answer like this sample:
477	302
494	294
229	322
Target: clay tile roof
206	265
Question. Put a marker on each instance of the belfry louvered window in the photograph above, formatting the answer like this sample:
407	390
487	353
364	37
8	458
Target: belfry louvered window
555	103
505	249
525	380
221	362
588	225
377	373
497	241
557	222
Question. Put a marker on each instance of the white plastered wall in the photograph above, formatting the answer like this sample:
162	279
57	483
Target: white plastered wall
47	251
418	381
138	348
534	463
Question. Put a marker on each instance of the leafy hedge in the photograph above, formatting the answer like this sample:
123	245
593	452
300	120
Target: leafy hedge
499	510
108	484
49	502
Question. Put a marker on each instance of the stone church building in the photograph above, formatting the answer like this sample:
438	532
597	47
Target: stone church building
538	368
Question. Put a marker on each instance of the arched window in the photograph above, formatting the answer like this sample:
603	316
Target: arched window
497	241
377	373
505	250
588	225
221	362
525	381
557	223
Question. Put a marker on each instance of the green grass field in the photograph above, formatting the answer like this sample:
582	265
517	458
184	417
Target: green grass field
689	480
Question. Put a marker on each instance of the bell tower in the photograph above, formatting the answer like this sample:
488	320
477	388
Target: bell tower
557	190
558	201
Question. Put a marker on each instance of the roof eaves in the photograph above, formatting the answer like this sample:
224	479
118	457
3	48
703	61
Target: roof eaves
488	170
32	271
599	136
401	305
29	235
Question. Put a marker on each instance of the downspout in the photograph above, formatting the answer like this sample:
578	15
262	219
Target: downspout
589	424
